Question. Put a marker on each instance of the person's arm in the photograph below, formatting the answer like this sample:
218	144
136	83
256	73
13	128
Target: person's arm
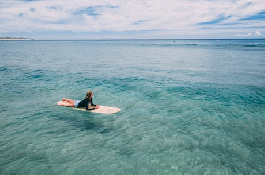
90	107
95	106
92	104
86	104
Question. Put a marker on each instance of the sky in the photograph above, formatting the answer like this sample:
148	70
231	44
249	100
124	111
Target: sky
132	19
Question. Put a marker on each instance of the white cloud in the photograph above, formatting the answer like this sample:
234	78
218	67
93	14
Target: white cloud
258	33
166	17
244	34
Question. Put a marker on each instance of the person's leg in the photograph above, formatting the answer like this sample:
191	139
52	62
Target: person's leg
67	104
68	100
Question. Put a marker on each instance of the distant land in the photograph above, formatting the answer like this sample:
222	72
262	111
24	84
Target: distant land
15	38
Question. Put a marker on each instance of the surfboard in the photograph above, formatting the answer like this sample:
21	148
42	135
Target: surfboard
101	109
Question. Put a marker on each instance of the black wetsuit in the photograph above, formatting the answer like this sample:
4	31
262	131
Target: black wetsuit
85	103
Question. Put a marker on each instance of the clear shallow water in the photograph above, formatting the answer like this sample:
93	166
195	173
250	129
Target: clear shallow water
188	107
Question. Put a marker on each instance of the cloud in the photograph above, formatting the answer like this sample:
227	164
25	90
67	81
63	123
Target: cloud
93	10
219	19
247	34
184	18
258	33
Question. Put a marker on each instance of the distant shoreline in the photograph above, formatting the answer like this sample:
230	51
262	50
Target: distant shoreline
14	38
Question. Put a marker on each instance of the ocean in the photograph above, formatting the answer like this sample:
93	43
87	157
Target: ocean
188	107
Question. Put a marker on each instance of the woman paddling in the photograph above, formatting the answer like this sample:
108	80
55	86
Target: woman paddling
87	102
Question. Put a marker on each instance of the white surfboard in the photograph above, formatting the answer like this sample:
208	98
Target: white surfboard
101	109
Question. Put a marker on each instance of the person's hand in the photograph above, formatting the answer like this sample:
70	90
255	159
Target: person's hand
97	106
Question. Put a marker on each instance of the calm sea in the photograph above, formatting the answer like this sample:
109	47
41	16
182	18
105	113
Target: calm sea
188	107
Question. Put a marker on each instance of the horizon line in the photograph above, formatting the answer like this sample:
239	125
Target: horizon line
105	39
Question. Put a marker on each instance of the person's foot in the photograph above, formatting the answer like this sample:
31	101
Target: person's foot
63	99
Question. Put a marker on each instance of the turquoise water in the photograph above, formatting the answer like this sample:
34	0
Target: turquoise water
188	107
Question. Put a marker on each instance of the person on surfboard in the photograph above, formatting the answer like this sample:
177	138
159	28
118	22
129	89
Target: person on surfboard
87	102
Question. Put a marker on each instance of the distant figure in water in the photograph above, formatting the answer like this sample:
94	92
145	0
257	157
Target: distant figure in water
87	102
